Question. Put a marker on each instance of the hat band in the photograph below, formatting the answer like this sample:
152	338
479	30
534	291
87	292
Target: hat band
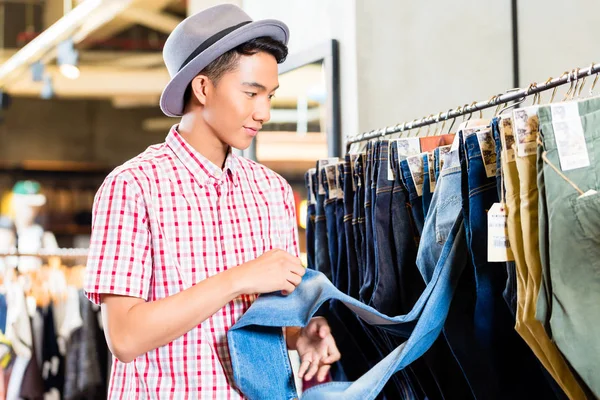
210	41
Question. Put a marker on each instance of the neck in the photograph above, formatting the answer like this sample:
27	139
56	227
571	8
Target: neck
198	134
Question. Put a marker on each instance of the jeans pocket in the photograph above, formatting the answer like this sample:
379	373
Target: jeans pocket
586	211
445	216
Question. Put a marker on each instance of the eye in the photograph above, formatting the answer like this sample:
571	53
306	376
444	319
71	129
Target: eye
271	96
251	94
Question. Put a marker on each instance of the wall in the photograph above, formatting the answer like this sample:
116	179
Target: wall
556	36
85	131
313	22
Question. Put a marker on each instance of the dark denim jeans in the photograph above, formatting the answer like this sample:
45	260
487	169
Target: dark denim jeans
349	223
510	290
366	290
358	219
415	201
259	357
515	368
426	198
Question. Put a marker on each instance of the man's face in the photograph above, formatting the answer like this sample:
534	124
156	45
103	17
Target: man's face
238	106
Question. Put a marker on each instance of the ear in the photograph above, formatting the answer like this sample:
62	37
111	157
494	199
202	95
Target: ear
201	86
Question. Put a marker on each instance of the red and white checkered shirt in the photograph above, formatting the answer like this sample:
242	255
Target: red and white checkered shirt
166	220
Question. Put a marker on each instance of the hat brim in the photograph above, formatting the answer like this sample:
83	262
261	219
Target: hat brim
171	100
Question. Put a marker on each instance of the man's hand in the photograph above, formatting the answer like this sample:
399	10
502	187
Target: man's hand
276	270
316	347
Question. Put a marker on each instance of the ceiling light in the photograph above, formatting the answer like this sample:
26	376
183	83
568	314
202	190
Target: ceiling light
69	71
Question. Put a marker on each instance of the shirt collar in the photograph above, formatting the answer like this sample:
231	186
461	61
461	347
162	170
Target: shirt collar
192	159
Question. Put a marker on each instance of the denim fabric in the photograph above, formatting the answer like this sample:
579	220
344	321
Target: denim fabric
351	242
436	163
358	219
510	290
516	370
416	204
574	252
426	192
342	279
322	262
330	206
366	290
310	225
385	297
258	351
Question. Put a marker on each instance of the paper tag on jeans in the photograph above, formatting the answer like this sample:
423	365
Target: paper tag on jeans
415	164
569	136
431	168
507	137
390	172
498	244
443	151
408	147
487	145
331	172
340	181
353	158
590	192
527	126
320	165
455	143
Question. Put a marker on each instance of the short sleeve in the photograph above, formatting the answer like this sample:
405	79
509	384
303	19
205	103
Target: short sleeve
119	259
291	233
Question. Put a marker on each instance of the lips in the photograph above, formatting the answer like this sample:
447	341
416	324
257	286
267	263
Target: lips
251	131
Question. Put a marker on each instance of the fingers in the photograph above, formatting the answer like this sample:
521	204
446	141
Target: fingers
303	368
333	354
323	371
288	288
298	270
294	279
314	368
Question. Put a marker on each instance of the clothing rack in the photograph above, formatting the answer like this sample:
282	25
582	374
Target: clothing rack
517	94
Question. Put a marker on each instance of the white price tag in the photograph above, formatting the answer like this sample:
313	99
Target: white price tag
487	146
390	172
353	158
320	165
331	172
508	138
498	244
569	136
415	164
312	195
443	151
431	168
527	126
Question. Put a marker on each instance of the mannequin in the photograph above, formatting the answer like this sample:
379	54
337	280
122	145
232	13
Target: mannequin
30	236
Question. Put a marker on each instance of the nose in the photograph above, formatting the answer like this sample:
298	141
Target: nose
262	111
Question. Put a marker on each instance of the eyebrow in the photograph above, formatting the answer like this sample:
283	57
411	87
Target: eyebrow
258	86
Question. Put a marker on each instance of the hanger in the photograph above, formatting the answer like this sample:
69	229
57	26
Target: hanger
516	103
591	93
458	110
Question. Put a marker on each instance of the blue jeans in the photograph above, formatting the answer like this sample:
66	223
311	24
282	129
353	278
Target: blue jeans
426	192
415	202
510	290
349	223
366	290
261	368
515	368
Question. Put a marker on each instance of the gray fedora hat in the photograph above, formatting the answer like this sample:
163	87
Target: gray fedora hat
203	37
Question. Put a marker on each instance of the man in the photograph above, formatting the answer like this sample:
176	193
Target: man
186	234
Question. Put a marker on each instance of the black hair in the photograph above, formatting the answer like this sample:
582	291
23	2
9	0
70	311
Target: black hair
227	62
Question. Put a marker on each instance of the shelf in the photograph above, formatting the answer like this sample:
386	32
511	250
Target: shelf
55	166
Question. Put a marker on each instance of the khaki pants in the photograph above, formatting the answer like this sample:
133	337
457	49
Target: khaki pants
520	179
